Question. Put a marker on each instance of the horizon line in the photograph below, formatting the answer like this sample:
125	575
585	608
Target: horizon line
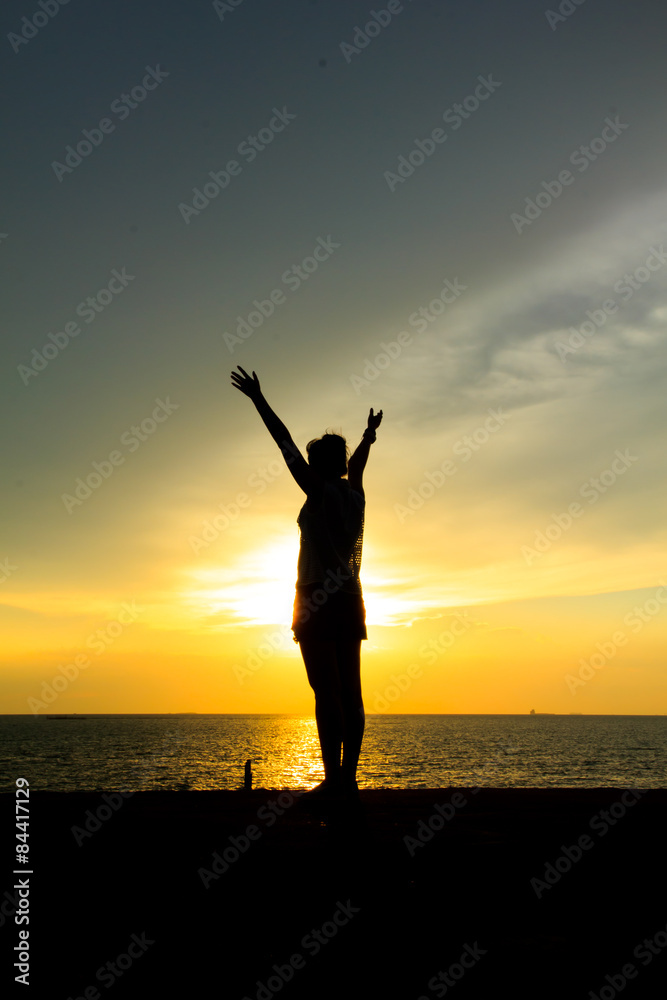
617	715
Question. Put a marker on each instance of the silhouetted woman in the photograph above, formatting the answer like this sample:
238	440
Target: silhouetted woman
329	620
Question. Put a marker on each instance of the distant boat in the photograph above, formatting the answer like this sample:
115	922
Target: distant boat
65	717
533	712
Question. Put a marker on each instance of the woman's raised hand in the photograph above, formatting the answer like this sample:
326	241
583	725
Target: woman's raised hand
249	386
374	420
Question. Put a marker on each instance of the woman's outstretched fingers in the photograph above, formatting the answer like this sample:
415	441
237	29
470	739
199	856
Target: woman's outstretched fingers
374	420
247	385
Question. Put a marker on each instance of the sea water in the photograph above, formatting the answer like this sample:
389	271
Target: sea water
143	752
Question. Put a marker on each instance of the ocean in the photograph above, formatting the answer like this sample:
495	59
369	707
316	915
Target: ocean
204	752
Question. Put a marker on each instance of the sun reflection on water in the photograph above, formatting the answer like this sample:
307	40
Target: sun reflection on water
295	757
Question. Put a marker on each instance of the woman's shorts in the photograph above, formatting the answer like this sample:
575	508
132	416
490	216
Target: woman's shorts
319	614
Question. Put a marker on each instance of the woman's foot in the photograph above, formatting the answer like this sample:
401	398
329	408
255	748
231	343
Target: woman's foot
350	788
326	789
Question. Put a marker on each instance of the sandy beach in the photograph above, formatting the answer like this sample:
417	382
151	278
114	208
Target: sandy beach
423	893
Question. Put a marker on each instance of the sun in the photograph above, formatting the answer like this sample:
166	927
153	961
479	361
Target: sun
256	588
266	595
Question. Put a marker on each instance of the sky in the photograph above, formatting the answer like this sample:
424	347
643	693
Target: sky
453	212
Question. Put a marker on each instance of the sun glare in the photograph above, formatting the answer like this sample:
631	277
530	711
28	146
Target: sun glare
257	589
266	595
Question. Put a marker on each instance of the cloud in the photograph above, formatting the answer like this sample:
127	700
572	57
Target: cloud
500	346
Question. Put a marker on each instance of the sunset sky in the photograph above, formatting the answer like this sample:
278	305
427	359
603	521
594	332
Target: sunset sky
462	217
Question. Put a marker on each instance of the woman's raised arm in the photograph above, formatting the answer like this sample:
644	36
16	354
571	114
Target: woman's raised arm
296	463
357	463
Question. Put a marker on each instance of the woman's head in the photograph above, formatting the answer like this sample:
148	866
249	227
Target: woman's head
328	456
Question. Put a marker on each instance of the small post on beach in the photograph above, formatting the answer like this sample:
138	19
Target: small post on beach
248	775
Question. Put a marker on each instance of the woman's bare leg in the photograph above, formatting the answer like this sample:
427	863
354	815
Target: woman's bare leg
348	653
321	663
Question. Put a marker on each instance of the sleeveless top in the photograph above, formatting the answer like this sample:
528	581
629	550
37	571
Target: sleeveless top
332	531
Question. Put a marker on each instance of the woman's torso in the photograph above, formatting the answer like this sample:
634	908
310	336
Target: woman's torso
332	529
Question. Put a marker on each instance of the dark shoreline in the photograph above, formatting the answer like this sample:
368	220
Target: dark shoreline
398	910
